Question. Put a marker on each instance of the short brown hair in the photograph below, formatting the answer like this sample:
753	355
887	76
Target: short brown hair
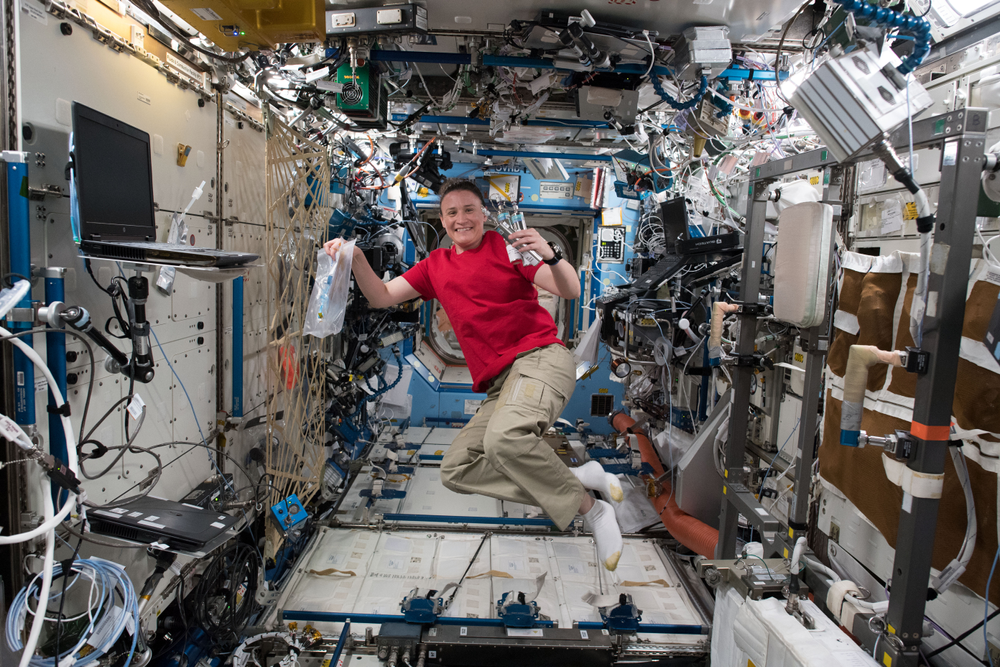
460	185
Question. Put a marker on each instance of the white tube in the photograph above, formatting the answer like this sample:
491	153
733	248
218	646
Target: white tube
10	296
919	303
719	311
859	360
43	594
819	567
956	568
800	546
71	458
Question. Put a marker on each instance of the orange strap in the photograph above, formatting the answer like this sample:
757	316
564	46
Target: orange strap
931	433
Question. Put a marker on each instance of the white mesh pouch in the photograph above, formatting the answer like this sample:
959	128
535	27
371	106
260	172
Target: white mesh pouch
802	263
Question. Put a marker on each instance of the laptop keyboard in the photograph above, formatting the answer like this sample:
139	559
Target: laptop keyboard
186	248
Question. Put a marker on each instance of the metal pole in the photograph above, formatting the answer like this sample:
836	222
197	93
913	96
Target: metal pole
20	262
220	385
753	250
55	357
237	370
13	502
962	163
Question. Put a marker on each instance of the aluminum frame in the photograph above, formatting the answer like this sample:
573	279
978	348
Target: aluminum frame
962	135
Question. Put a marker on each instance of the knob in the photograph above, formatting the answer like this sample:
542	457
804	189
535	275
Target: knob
201	325
71	356
71	378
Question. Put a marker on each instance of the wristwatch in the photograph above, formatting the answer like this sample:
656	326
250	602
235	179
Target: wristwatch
555	257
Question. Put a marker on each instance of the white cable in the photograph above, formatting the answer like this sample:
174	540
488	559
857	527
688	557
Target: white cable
50	522
43	594
652	52
956	568
816	565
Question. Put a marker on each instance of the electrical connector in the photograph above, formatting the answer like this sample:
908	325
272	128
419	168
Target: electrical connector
60	474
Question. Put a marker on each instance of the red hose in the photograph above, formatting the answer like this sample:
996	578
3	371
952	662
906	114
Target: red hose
689	531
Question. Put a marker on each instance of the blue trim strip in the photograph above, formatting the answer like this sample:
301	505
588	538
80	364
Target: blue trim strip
238	347
652	628
20	262
444	518
431	457
341	643
342	617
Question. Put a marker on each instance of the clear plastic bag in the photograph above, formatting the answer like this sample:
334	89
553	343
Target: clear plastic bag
328	300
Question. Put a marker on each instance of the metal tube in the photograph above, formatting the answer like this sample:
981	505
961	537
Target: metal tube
932	404
20	262
55	357
736	445
220	357
237	370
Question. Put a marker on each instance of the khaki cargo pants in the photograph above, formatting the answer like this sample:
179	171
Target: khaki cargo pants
500	452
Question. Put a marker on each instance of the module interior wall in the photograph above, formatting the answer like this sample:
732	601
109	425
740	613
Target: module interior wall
55	71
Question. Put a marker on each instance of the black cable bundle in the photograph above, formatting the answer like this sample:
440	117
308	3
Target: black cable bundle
224	598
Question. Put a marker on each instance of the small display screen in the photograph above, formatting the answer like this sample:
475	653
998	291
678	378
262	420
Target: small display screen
113	179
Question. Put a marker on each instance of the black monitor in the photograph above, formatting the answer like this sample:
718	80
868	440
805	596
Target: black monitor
674	218
112	178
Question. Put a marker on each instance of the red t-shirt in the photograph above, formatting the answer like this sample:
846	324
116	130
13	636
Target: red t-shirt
492	304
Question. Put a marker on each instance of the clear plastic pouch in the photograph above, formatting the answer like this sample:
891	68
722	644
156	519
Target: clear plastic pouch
328	300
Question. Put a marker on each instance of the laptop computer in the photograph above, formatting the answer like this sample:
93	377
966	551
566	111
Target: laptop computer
111	197
178	526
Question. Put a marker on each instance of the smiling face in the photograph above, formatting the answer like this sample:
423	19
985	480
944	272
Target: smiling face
463	218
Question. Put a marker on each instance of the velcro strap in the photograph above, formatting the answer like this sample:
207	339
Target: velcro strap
61	410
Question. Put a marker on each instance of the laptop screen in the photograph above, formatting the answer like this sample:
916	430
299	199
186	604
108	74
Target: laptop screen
674	217
113	180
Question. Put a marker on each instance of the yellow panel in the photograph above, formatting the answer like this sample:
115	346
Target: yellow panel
887	660
264	23
750	663
892	630
786	553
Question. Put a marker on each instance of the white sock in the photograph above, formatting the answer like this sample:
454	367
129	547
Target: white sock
591	474
601	522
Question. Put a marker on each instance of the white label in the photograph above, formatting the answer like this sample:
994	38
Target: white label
525	632
134	515
151	524
135	406
20	378
330	86
432	654
761	511
555	190
472	406
892	216
907	502
206	14
950	154
584	635
464	632
40	384
184	68
35	11
216	524
9	429
144	98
